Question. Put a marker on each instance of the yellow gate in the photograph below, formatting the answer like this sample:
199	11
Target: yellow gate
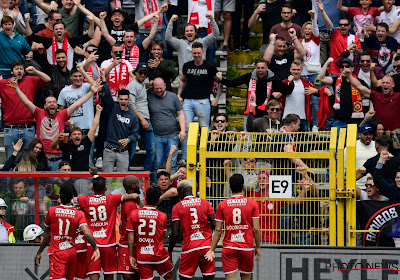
297	180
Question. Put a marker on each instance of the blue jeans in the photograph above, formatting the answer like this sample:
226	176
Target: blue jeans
303	126
314	99
53	165
23	5
144	56
195	107
210	52
12	135
162	147
147	137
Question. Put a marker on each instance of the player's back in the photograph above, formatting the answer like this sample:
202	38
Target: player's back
100	213
63	221
238	212
126	208
192	212
149	225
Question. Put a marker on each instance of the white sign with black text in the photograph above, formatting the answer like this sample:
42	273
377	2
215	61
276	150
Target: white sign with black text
280	186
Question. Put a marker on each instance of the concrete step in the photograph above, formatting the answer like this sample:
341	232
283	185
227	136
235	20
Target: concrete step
241	59
234	72
237	105
236	121
240	91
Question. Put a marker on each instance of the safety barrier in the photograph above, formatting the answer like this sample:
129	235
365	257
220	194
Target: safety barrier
296	178
30	194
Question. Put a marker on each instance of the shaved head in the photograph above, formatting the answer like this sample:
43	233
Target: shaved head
131	184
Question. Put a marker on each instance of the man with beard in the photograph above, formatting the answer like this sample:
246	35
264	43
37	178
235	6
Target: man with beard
280	57
123	128
49	121
282	29
381	46
160	67
59	41
46	30
70	13
386	104
139	105
164	107
77	150
118	28
263	87
13	46
19	122
132	51
117	70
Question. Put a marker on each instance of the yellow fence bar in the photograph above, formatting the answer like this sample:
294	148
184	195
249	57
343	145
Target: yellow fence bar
332	187
193	136
340	188
202	162
351	239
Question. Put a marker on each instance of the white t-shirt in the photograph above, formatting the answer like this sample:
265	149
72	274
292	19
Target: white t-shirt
70	55
365	76
295	102
389	19
108	62
84	115
313	51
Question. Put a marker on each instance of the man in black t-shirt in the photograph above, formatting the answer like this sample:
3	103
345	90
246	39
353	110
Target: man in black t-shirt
77	149
279	57
195	88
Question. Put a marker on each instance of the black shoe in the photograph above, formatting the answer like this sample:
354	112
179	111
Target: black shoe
245	47
236	48
225	48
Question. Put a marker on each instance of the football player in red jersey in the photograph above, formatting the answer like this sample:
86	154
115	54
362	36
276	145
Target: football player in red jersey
100	213
196	218
147	227
61	225
242	224
132	185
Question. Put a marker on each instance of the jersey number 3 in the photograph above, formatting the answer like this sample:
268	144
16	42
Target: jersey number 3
152	226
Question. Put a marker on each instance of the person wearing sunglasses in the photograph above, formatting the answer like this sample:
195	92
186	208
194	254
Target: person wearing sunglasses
268	123
362	70
46	30
371	192
340	40
346	99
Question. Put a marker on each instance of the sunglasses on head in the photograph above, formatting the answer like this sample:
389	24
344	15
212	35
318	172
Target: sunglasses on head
365	60
220	121
274	109
250	159
369	185
344	66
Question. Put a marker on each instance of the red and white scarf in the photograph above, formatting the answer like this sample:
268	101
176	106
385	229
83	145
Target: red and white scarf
54	47
146	9
194	14
118	82
133	55
355	99
251	94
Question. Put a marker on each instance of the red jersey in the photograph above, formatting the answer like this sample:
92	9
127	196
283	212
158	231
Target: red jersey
80	239
269	218
192	213
63	222
238	212
126	208
149	225
101	212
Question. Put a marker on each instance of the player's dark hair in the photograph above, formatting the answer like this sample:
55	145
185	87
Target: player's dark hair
57	23
73	70
384	25
287	5
67	192
221	115
59	51
153	195
17	63
382	140
291	118
163	173
366	53
99	182
236	183
197	45
123	92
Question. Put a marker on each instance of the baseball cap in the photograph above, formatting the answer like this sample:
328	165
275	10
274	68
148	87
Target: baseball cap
119	10
347	60
142	67
365	129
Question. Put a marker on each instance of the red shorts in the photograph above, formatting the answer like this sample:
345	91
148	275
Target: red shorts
163	267
108	260
80	272
62	264
124	264
190	261
234	260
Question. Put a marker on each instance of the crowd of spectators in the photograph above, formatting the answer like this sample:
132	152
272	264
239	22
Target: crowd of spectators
75	70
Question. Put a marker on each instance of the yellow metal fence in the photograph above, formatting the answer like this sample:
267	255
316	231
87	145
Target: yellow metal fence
297	180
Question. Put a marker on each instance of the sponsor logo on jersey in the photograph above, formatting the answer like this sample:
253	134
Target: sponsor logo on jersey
64	245
236	227
239	237
79	239
99	224
147	250
190	202
196	236
146	240
100	233
148	213
65	211
236	201
97	199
